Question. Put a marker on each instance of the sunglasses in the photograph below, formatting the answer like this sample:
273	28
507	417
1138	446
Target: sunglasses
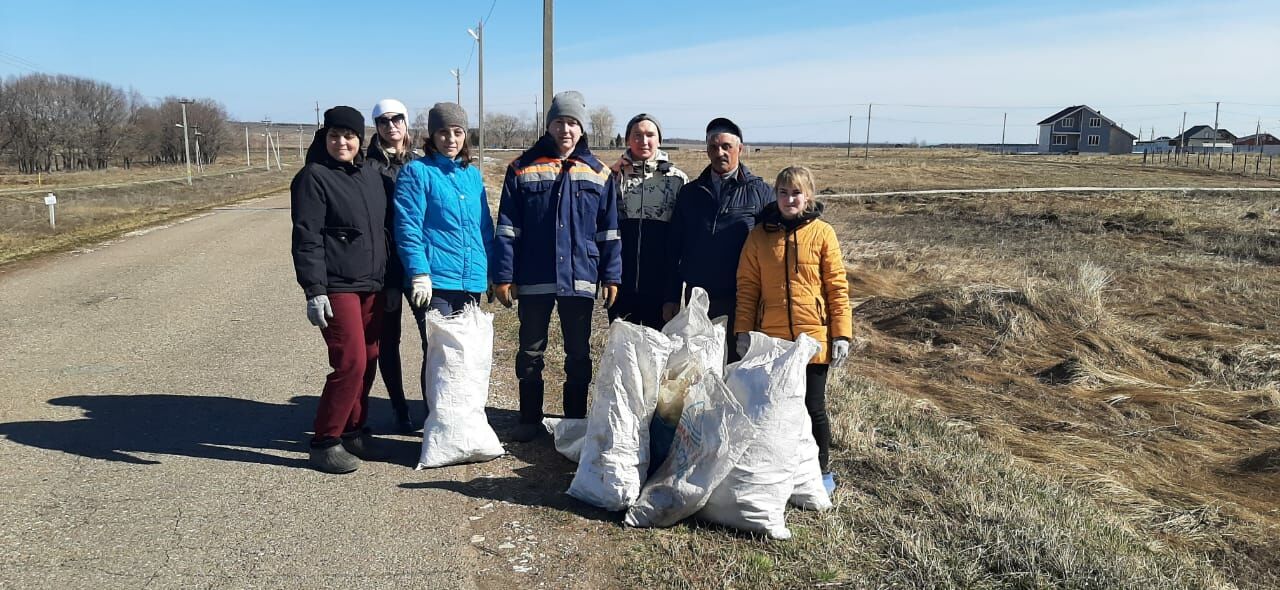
391	120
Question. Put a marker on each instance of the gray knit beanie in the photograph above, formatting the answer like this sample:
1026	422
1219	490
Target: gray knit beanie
568	104
639	118
445	114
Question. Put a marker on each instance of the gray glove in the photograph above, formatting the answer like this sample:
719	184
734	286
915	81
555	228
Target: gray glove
421	294
839	352
743	343
319	311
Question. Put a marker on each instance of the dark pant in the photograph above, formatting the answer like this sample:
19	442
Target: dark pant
815	400
352	338
638	309
575	327
726	307
446	302
389	354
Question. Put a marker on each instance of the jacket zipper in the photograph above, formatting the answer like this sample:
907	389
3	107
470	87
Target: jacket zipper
786	248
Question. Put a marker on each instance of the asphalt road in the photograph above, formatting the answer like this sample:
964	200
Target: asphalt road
155	398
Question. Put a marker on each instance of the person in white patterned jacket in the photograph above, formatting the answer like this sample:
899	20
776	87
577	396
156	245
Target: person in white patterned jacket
648	184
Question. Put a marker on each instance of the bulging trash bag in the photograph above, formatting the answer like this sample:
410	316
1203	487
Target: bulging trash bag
459	358
809	493
568	434
769	384
711	435
615	454
698	346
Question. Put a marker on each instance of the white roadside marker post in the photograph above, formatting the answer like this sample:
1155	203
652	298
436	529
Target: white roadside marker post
51	200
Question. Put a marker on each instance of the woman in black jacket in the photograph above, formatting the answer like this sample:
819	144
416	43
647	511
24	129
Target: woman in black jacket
339	211
389	150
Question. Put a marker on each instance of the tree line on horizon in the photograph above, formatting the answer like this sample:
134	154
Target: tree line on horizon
58	122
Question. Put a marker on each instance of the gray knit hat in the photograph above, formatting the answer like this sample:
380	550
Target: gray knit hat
568	104
639	118
445	114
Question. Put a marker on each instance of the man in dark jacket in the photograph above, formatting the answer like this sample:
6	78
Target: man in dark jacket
555	244
712	217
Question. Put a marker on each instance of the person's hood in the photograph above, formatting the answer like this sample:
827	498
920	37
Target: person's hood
316	152
771	217
658	163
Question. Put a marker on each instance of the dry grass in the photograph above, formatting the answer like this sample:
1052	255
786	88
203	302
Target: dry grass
1123	348
87	215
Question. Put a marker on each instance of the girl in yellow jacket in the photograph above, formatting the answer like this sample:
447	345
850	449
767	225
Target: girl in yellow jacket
791	281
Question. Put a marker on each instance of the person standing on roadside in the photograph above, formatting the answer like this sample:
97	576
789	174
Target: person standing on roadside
712	217
557	246
791	281
648	183
389	150
339	247
443	227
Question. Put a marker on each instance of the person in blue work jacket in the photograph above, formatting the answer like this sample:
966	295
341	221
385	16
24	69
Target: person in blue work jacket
442	224
712	217
557	245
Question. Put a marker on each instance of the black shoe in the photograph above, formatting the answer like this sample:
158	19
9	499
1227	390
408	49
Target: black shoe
333	458
404	423
527	432
362	444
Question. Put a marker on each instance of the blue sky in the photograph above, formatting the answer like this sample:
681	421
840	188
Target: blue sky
785	71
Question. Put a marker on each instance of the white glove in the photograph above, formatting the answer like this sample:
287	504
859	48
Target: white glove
319	311
839	352
421	295
743	343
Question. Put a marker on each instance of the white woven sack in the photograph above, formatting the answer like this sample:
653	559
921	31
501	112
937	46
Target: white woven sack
458	360
568	434
711	435
769	384
615	454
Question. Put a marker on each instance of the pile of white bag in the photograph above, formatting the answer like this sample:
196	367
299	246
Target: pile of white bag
458	360
743	445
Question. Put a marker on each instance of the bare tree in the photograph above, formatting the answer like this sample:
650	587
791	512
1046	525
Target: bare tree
602	126
501	129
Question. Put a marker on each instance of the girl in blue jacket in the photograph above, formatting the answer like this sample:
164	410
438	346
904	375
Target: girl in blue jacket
443	228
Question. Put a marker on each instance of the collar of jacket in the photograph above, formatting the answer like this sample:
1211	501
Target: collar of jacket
710	176
442	162
658	163
771	218
546	147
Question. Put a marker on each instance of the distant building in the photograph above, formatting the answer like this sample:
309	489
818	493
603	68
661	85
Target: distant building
1265	143
1158	145
1200	138
1080	129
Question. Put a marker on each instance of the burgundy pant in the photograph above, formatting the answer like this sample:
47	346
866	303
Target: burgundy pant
352	338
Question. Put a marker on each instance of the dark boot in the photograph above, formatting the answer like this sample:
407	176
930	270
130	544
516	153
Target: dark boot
362	444
404	422
575	400
330	456
530	426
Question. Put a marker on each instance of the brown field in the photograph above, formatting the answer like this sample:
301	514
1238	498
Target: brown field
1081	390
96	205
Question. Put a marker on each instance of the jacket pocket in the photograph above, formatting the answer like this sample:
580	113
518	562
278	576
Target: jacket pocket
342	252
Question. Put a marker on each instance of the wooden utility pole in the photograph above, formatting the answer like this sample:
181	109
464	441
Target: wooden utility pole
1004	123
1209	163
548	57
317	114
866	146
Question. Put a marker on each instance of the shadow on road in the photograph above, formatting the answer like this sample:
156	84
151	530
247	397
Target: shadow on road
117	426
541	479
